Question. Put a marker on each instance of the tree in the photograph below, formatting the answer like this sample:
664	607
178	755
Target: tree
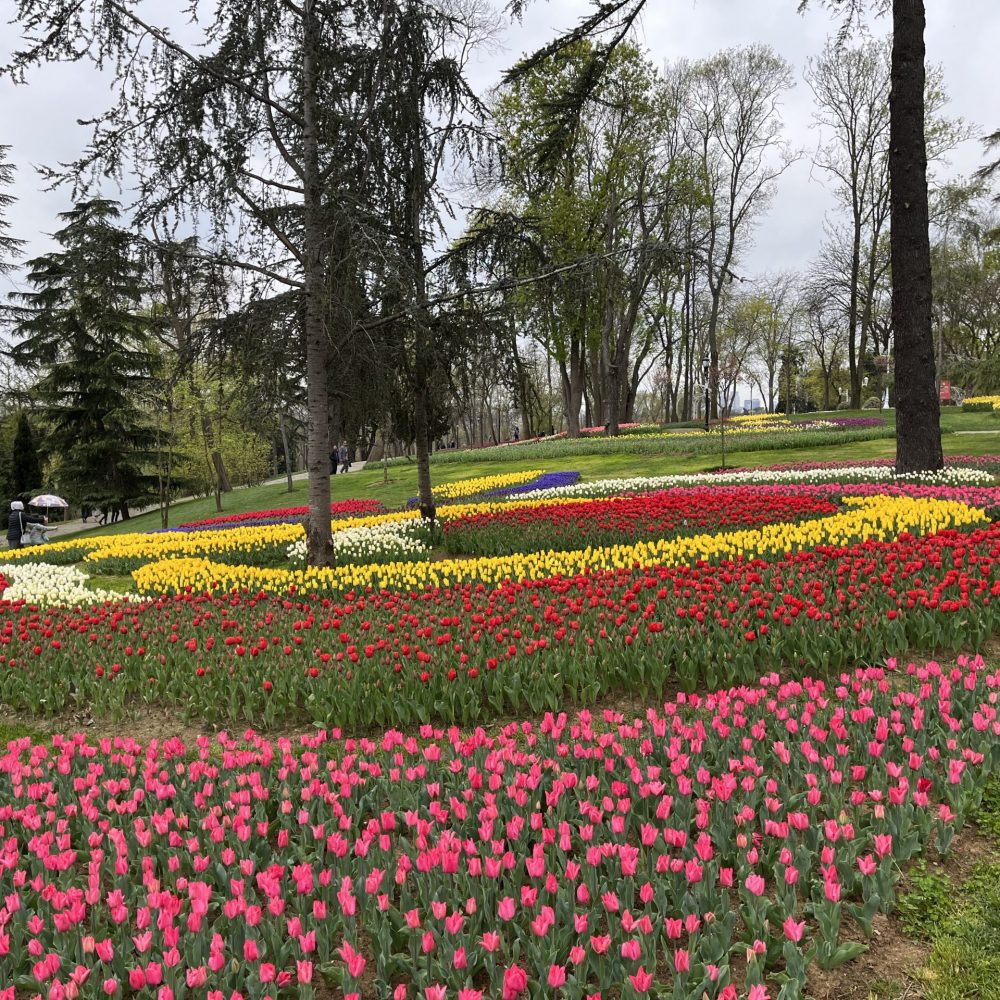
824	333
733	130
918	424
851	88
918	413
264	121
10	248
83	330
26	468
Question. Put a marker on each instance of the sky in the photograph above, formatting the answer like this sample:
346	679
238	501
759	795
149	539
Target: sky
40	121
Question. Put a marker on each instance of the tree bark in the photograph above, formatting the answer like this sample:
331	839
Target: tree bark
420	422
319	541
918	415
287	452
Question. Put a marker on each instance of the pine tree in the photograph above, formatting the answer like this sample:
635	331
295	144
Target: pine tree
83	331
26	467
9	246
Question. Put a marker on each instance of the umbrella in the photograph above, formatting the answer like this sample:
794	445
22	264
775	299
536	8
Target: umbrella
47	500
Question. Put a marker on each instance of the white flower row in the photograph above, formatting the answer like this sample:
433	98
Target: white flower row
952	476
45	584
371	543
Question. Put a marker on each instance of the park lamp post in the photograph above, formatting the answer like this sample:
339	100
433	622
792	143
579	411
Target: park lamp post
706	372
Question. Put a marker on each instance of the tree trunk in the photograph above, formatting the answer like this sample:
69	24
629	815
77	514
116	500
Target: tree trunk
420	421
288	454
918	416
225	486
319	541
855	363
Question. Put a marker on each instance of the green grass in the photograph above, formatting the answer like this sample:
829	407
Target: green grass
121	584
925	909
960	921
965	955
15	731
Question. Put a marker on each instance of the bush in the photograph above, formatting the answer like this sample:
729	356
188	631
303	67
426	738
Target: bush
845	405
872	403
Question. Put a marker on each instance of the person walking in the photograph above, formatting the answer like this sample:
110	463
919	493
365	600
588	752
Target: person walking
334	460
103	519
345	458
17	523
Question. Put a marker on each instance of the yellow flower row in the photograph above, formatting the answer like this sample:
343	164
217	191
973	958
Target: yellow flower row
878	517
982	401
482	484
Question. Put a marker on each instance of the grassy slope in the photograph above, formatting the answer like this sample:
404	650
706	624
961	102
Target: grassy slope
403	479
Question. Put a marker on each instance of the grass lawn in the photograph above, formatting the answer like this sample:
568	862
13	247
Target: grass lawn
402	482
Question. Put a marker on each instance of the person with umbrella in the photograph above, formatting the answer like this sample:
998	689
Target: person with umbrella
18	524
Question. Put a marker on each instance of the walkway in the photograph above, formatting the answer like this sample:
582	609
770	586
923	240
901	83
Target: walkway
64	528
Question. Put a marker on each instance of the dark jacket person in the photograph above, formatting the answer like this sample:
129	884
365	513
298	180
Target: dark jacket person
17	523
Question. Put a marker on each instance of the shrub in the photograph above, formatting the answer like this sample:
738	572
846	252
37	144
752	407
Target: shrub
872	403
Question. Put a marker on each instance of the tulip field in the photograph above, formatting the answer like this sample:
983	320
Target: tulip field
674	736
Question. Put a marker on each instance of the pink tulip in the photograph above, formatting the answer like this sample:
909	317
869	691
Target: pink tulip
641	980
515	982
793	931
557	976
354	960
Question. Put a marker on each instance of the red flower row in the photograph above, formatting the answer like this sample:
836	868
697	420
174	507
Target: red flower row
340	508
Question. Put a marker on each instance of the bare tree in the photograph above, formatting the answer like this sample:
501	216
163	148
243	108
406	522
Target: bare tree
734	131
851	88
824	333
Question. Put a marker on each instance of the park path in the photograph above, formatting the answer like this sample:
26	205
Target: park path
63	528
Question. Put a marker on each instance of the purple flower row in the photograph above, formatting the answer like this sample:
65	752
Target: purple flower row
546	481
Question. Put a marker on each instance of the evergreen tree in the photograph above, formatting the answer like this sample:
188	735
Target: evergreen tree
26	467
82	330
9	246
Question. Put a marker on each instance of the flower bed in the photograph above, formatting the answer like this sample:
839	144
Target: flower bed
570	857
47	585
473	652
339	508
840	475
466	489
621	520
875	517
390	542
981	404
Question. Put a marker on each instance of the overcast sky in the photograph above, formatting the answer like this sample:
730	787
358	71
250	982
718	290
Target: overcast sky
40	120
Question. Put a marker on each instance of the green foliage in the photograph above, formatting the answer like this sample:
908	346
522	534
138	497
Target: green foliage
10	247
988	817
965	958
925	907
206	415
82	331
25	465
